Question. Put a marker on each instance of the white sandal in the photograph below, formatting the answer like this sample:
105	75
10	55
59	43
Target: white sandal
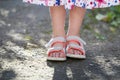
78	47
60	49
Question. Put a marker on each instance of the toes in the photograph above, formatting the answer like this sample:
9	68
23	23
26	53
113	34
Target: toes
76	52
57	55
62	55
73	51
70	51
80	53
53	54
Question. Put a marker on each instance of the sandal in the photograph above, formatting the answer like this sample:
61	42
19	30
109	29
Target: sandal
75	49
54	50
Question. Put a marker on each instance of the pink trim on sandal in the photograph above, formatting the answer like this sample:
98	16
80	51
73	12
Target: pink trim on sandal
78	47
53	49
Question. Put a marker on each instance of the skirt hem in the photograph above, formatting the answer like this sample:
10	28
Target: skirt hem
68	5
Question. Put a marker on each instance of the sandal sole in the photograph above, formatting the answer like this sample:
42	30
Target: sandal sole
76	56
56	59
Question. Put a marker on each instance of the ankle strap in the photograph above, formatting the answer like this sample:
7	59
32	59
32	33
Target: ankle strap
76	38
55	40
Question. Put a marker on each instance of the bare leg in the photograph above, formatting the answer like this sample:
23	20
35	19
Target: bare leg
58	20
57	14
75	21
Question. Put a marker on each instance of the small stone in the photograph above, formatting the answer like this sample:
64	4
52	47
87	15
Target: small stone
107	60
91	64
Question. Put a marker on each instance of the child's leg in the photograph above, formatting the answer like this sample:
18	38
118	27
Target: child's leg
75	21
57	14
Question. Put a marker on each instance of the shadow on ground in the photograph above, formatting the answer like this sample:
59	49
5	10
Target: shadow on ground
25	29
100	65
7	75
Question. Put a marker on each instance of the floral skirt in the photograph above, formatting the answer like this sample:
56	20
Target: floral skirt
69	4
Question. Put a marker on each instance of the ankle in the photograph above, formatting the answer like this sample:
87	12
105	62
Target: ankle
73	35
54	36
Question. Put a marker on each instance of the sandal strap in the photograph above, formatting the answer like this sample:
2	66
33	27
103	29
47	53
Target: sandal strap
54	41
55	49
76	39
77	47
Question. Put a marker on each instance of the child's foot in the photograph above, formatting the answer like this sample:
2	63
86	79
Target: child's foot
75	48
56	51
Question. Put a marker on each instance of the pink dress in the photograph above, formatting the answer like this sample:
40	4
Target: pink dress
69	4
